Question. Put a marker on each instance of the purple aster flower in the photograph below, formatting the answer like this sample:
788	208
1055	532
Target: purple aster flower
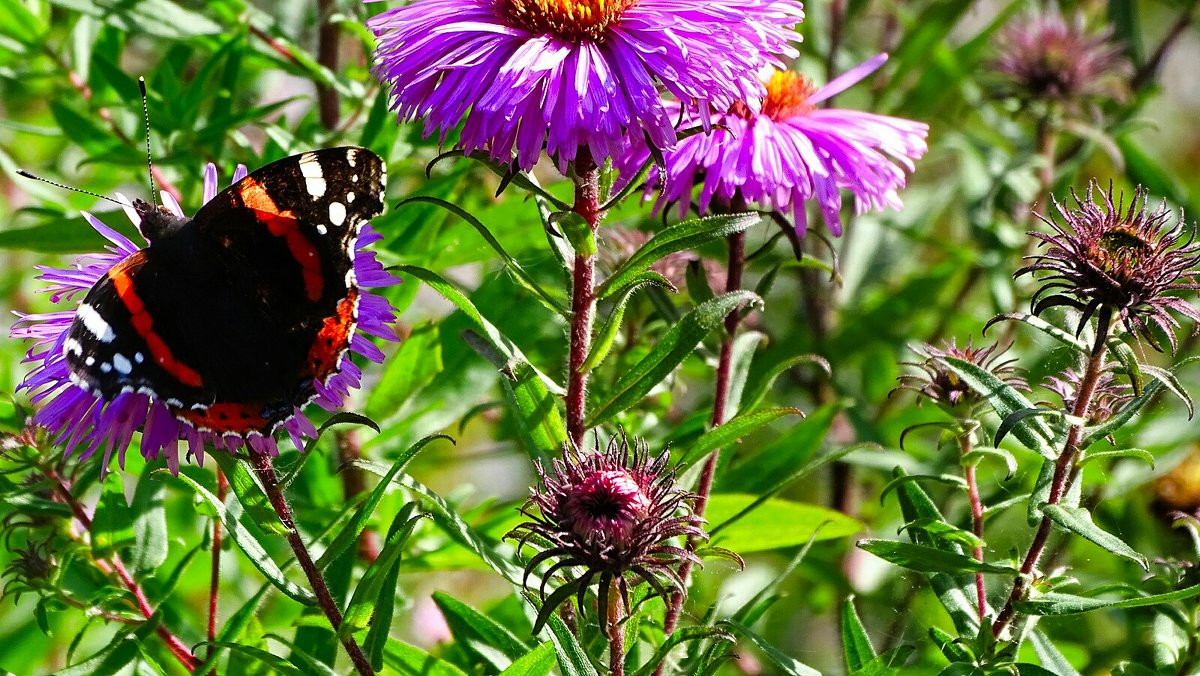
79	418
566	75
790	152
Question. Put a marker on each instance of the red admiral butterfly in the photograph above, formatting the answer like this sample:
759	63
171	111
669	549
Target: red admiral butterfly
234	317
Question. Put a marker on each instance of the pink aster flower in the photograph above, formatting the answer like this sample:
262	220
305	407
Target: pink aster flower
572	74
77	418
791	151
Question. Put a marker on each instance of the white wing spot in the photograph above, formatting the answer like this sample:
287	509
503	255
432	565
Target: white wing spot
350	278
90	361
314	178
352	157
349	198
94	323
337	213
139	357
321	229
73	346
354	178
121	363
105	367
315	187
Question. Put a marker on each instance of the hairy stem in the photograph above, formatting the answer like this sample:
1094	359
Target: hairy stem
214	584
733	282
965	443
114	565
1064	467
616	632
266	475
583	298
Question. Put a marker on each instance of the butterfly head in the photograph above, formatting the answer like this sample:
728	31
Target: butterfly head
157	220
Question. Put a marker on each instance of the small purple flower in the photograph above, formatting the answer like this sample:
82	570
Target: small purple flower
612	516
791	152
939	384
583	74
76	417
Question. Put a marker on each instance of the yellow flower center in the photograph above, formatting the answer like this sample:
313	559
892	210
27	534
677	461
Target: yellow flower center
1119	253
787	96
574	19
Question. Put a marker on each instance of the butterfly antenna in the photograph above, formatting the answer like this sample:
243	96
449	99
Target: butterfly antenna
26	174
149	162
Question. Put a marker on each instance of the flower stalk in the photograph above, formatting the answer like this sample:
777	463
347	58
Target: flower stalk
583	298
261	463
966	441
616	632
1064	467
733	282
215	576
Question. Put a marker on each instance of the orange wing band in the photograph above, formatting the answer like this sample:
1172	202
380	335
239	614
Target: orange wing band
144	325
283	223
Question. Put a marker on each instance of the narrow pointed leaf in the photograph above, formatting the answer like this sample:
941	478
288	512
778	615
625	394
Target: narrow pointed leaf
537	662
1033	432
927	559
1056	603
856	644
480	634
728	433
1078	520
679	237
784	663
669	352
572	659
370	591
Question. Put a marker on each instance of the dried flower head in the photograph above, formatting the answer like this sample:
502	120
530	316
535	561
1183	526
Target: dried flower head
611	516
29	568
941	385
1045	58
1123	258
1110	395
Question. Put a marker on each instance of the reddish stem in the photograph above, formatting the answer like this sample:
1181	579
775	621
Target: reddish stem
733	282
214	584
266	474
1063	468
583	299
964	441
115	565
327	55
616	632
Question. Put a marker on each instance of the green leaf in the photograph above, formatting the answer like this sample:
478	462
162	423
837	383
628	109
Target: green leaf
537	662
679	237
773	524
112	524
572	659
1055	603
785	664
348	535
247	540
149	524
983	453
1065	337
233	629
255	503
1078	520
155	18
489	331
942	532
926	559
795	448
1005	401
856	644
414	365
671	349
522	278
741	355
723	435
681	636
372	591
275	663
480	634
1171	382
759	384
116	656
607	336
1041	493
409	660
535	409
1049	655
1135	453
946	479
19	23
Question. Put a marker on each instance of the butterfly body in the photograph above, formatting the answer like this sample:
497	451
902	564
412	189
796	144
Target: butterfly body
233	317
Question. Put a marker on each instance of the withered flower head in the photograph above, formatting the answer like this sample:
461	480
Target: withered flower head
1125	259
1109	397
942	386
1045	58
609	517
28	569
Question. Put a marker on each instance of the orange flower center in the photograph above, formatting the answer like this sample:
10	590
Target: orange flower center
1120	252
787	97
574	19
